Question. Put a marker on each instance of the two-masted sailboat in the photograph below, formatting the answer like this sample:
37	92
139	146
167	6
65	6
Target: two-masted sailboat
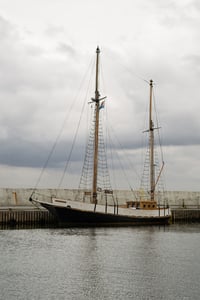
92	212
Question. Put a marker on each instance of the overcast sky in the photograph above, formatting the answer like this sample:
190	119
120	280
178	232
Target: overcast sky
46	48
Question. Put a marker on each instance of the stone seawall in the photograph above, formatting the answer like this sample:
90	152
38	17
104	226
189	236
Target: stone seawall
186	215
20	197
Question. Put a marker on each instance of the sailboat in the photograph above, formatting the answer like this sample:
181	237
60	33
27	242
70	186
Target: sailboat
92	212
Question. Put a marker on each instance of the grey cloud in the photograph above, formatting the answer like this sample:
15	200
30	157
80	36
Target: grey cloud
53	30
192	62
21	152
196	5
7	30
183	130
66	49
37	83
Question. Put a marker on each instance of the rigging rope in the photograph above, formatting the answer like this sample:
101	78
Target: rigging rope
61	129
76	133
120	162
157	125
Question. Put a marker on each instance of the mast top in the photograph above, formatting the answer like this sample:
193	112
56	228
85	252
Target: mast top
151	82
97	50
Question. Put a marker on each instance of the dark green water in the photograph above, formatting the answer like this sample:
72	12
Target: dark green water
101	263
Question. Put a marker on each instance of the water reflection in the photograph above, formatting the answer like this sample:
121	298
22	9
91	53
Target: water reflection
100	263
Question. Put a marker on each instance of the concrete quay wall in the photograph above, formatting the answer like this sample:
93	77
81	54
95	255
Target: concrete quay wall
20	197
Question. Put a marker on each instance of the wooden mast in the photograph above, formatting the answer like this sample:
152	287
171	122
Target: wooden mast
96	135
151	145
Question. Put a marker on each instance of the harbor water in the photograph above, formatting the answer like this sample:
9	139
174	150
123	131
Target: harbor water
100	263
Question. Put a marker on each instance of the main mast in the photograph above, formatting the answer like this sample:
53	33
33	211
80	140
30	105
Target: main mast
96	99
151	145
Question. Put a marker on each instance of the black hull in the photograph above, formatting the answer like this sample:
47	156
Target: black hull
69	216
